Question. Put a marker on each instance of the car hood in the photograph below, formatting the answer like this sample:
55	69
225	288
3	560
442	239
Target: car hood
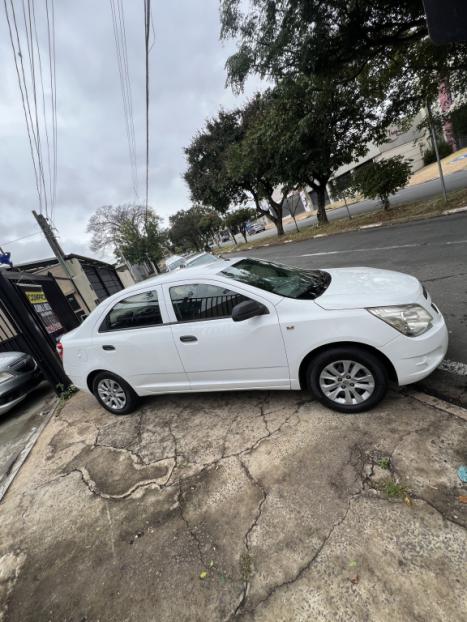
357	288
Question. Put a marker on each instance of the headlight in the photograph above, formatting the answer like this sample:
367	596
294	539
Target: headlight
410	320
4	376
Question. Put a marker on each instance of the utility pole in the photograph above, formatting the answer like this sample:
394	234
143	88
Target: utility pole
57	251
435	147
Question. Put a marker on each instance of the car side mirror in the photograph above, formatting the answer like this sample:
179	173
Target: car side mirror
247	309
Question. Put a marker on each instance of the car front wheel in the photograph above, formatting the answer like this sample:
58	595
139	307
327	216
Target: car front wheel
114	394
349	380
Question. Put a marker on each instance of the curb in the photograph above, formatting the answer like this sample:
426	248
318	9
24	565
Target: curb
439	404
454	211
372	226
24	453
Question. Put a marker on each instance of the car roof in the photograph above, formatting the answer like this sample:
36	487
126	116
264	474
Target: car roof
197	272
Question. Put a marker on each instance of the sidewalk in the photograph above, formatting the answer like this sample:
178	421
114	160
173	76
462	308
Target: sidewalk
261	506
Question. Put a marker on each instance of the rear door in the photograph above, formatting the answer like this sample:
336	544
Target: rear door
218	353
135	342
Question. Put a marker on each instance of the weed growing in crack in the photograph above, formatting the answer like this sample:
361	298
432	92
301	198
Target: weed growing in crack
384	463
393	490
245	564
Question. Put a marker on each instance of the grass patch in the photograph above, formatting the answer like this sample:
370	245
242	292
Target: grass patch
384	463
427	208
245	563
393	490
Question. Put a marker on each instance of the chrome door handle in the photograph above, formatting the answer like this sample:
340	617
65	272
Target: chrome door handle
188	338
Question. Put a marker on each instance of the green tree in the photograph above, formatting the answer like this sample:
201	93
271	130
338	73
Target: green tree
132	232
195	228
238	219
206	175
229	163
314	127
383	178
382	42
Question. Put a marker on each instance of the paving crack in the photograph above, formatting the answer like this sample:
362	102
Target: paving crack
190	529
303	569
246	539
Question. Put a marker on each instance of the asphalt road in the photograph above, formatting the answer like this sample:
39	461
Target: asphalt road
433	250
429	189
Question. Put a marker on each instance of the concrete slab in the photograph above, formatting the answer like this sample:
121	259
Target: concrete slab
256	506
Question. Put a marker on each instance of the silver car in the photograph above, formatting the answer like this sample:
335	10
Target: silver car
19	375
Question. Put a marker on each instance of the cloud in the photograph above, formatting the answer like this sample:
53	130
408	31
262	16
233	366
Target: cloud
187	83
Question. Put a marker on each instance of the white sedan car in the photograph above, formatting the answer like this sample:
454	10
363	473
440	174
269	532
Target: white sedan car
251	324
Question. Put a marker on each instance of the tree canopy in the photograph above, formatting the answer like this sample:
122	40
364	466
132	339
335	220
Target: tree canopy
194	228
230	162
316	126
239	218
133	233
384	42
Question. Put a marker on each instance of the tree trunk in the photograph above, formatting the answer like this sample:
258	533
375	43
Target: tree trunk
386	203
321	214
233	237
279	226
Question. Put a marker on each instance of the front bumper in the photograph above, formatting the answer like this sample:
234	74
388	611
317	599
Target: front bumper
414	358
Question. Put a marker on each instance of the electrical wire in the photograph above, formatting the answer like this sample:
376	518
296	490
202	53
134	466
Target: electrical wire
30	235
119	30
30	76
147	27
25	104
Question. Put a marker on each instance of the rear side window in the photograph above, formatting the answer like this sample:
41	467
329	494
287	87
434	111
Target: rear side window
134	312
201	301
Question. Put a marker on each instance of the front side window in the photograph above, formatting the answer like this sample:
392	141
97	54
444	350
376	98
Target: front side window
278	279
201	301
135	311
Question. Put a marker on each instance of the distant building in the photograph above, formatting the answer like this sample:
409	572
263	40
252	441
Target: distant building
93	279
410	143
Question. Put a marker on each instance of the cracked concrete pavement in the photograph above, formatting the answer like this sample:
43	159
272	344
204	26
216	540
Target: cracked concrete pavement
249	506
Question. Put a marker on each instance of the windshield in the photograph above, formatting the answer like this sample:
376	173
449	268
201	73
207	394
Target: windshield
279	279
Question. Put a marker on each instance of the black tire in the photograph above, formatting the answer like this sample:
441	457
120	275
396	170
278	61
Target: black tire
339	356
126	394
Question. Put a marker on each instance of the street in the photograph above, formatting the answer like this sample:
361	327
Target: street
429	189
435	251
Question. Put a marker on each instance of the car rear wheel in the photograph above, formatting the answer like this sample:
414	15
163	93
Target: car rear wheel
114	394
349	380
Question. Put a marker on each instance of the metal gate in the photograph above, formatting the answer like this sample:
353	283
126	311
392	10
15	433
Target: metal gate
33	314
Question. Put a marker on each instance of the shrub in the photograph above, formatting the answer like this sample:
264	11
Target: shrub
429	156
383	178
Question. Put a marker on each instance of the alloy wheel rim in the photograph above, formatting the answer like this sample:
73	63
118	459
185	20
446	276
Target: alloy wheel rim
347	382
112	394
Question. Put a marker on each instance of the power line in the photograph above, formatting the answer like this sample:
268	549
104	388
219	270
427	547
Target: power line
147	27
24	102
30	235
53	90
30	76
119	30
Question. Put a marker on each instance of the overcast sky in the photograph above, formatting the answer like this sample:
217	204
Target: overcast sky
187	86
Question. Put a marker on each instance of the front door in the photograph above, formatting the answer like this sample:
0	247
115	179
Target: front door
218	353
